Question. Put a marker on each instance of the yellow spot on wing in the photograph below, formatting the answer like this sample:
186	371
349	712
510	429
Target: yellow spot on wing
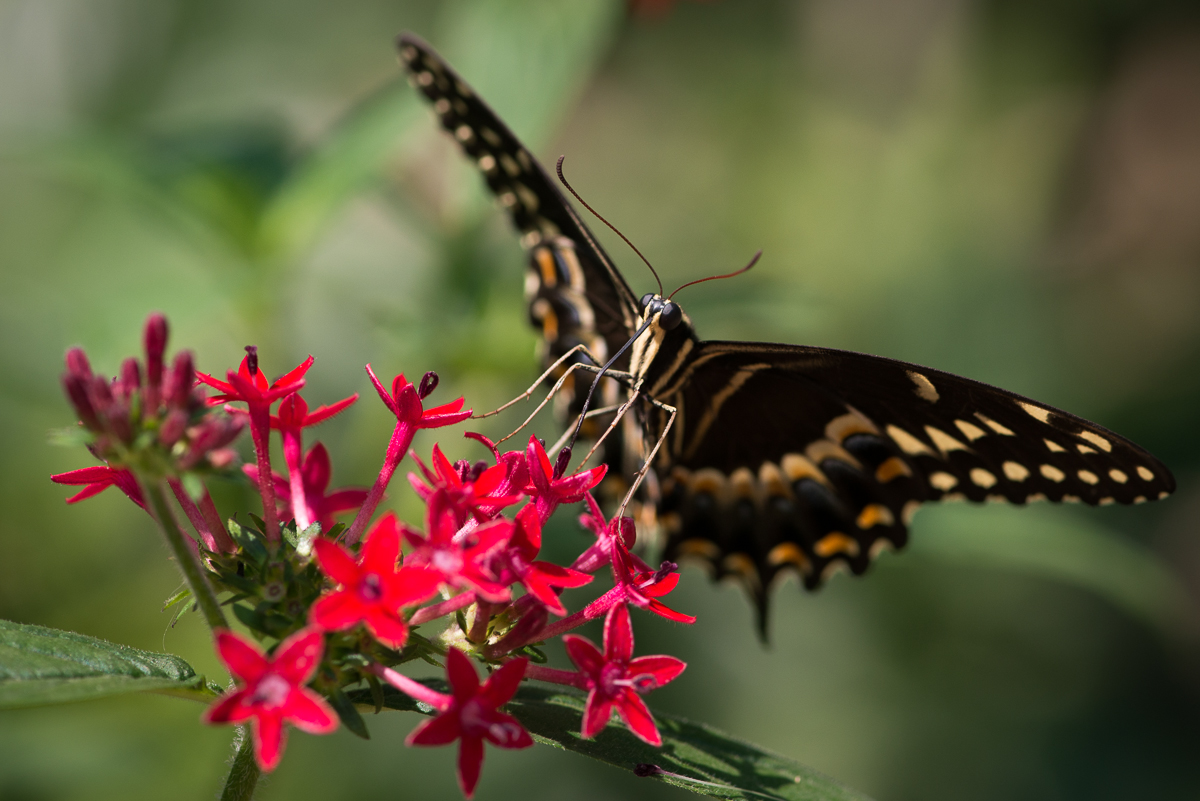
789	553
824	449
698	547
969	430
1118	476
1088	477
944	441
1036	412
907	442
836	543
796	467
943	481
982	478
1053	473
875	514
1054	446
890	468
1084	448
853	422
1097	440
1144	473
997	427
1015	471
924	387
909	511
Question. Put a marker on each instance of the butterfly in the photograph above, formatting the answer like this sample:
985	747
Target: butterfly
776	457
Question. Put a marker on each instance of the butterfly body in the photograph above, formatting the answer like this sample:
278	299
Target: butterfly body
773	457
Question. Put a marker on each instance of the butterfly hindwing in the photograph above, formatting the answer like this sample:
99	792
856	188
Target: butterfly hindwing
828	453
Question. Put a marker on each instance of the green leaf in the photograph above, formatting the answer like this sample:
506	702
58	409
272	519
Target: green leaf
693	756
348	714
40	666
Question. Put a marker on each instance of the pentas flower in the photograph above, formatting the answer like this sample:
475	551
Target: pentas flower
272	691
471	714
543	580
404	401
97	479
373	590
470	491
616	681
549	490
463	562
618	534
291	421
249	385
641	588
320	502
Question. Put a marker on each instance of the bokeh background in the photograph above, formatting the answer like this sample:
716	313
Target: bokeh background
1007	190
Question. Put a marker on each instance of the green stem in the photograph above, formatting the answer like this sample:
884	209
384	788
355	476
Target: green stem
187	558
244	772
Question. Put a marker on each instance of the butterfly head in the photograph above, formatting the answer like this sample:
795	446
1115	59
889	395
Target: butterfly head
668	311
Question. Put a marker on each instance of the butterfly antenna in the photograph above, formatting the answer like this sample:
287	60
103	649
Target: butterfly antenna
753	262
558	167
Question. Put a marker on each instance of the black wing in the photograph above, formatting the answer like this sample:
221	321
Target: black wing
576	294
813	459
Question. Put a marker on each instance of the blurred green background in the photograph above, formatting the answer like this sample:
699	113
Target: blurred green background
1007	190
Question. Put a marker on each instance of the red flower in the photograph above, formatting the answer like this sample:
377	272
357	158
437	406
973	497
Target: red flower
372	590
549	490
405	401
99	478
463	560
248	383
617	534
272	691
322	504
471	715
615	681
541	579
471	492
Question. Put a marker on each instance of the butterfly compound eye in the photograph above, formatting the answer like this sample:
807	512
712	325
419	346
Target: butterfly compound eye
649	296
670	316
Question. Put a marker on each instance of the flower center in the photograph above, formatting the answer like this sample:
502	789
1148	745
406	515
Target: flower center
271	691
478	720
612	679
370	588
446	561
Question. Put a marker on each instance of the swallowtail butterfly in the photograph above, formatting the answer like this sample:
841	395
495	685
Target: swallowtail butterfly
781	456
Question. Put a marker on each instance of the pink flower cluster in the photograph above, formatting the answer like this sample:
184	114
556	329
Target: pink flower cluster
473	561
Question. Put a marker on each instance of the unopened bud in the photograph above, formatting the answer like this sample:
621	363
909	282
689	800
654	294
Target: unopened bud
77	363
154	338
173	427
178	386
76	387
429	383
561	463
252	359
222	458
131	378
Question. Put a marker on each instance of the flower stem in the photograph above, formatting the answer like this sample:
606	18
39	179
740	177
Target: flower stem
410	687
185	557
433	612
555	676
402	438
244	772
260	432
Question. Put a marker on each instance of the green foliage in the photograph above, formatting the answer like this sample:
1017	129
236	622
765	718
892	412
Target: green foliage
696	757
41	666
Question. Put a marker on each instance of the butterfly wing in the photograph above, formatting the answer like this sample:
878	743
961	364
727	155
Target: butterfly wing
575	293
813	459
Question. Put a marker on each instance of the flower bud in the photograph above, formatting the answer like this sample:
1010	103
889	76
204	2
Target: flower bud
178	386
173	427
75	385
77	363
429	383
154	338
561	463
130	380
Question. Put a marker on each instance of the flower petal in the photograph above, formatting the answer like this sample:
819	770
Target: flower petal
309	712
242	657
470	764
584	654
663	669
299	655
413	585
337	610
387	627
464	681
503	683
336	562
387	399
381	548
228	709
443	729
505	731
596	714
633	709
618	635
269	740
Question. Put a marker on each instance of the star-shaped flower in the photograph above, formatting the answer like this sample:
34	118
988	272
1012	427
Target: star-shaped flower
373	590
543	580
322	503
271	691
549	490
471	492
463	561
616	681
471	715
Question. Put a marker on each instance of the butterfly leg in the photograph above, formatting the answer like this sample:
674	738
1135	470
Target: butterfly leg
619	376
527	394
641	474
